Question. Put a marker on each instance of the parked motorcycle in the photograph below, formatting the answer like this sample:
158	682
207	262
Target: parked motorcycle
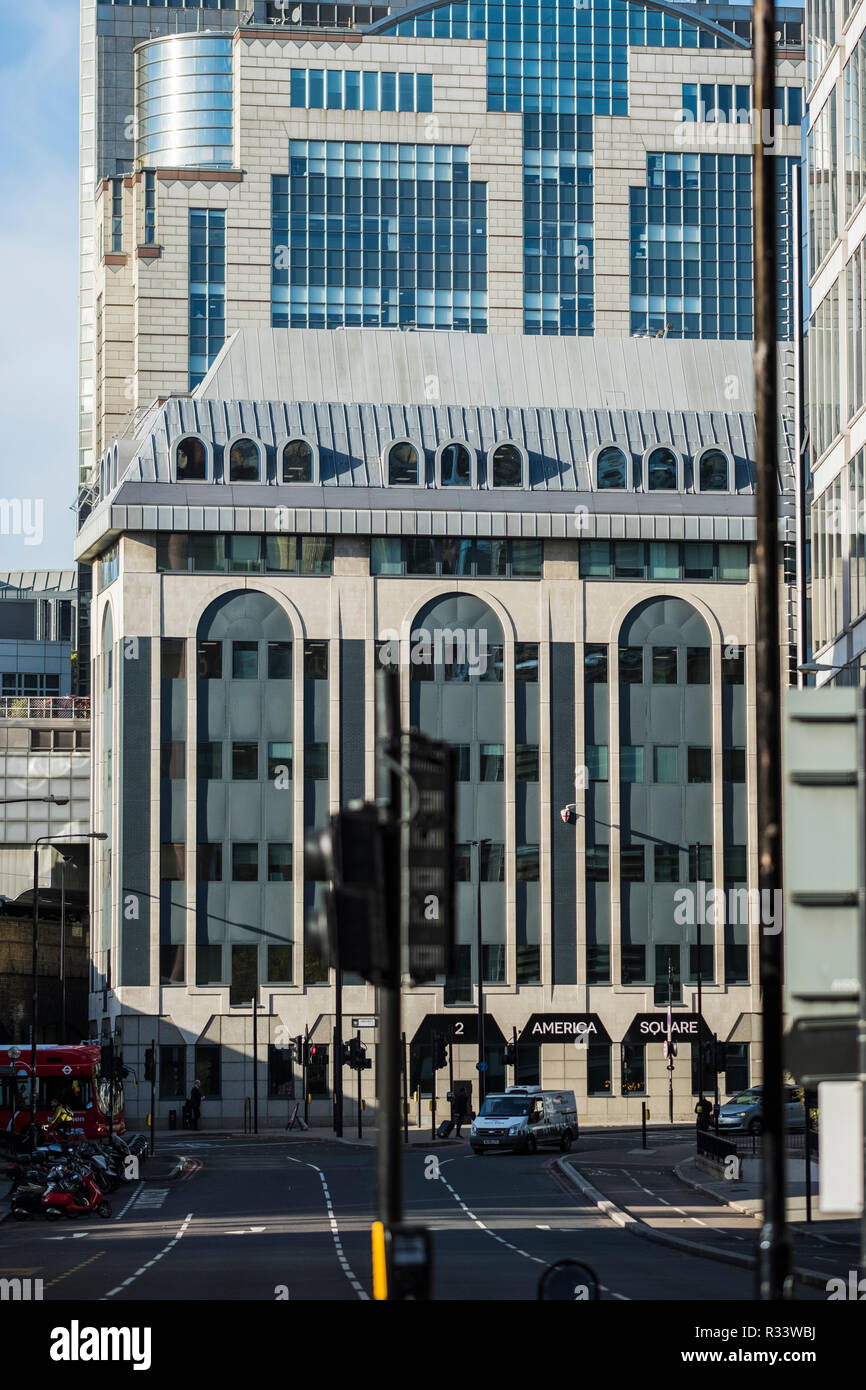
72	1194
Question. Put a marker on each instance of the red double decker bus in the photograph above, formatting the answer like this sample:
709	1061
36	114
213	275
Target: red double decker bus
65	1076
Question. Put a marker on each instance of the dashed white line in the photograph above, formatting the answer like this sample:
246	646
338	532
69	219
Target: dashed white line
335	1230
132	1278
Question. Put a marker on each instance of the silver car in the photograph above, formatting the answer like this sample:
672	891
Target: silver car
744	1112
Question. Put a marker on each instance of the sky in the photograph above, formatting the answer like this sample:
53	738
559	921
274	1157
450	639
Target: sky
38	282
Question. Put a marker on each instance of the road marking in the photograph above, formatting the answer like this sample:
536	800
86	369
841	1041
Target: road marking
152	1198
247	1231
75	1269
335	1230
125	1209
132	1278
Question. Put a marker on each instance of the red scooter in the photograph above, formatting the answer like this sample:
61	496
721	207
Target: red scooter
72	1195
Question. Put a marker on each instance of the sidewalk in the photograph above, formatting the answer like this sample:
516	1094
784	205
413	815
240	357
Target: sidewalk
745	1197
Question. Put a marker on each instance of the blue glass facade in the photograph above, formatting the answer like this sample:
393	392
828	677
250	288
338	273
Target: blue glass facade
330	89
379	235
557	224
207	289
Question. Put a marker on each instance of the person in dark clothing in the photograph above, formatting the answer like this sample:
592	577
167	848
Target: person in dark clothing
459	1110
702	1110
194	1104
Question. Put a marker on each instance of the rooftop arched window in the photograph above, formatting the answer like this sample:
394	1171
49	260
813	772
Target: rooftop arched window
455	465
506	466
662	471
191	460
713	471
297	462
245	461
611	468
403	464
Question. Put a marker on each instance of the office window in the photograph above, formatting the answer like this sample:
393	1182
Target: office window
492	762
462	863
700	863
279	761
632	763
631	863
733	666
172	1072
279	661
244	462
666	763
698	665
316	661
664	560
462	762
403	465
172	757
597	762
172	861
668	987
316	762
244	554
705	960
526	762
172	966
527	864
736	1068
633	965
149	207
661	467
507	466
633	1069
245	863
245	762
281	1081
191	460
206	290
664	665
597	863
598	1080
210	660
455	466
297	462
736	864
698	560
172	651
279	863
245	661
667	863
245	975
713	471
736	964
280	965
611	468
207	1068
595	559
598	965
595	663
630	665
700	764
210	761
734	764
209	862
493	862
208	965
629	559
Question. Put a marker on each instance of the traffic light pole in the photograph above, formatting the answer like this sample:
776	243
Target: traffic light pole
360	1122
699	883
152	1093
338	1046
388	797
304	1059
774	1257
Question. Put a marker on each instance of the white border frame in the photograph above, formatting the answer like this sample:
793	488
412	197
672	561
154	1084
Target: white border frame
208	459
629	468
227	454
644	470
473	465
524	467
281	445
420	454
696	470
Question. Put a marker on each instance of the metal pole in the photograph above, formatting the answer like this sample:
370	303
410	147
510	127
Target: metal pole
255	1064
800	438
433	1088
808	1156
480	949
304	1055
774	1260
643	1124
698	916
670	1043
451	1062
360	1123
338	1044
389	796
34	1003
62	951
404	1070
153	1053
715	1070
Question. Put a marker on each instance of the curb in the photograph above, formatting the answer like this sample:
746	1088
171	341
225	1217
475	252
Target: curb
640	1228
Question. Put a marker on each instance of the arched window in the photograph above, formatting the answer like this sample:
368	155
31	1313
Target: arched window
244	462
403	465
713	471
455	465
611	468
661	471
506	466
191	459
297	462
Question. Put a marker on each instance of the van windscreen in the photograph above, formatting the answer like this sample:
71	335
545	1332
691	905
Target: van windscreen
503	1106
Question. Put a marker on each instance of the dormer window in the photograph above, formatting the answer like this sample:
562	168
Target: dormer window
403	464
297	462
712	470
455	465
245	462
506	465
662	471
611	468
191	460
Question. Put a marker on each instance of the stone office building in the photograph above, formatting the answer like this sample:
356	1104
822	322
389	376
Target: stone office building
307	512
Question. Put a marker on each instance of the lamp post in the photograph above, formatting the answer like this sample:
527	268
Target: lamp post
482	1060
699	895
34	1005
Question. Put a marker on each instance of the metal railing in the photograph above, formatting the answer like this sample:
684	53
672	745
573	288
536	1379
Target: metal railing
44	706
720	1146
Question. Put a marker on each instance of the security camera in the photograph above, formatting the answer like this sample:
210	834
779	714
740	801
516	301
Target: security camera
569	815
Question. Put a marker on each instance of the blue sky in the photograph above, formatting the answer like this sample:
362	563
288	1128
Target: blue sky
39	276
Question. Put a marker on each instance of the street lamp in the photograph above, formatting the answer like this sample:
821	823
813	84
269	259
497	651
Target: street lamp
42	839
52	800
482	1060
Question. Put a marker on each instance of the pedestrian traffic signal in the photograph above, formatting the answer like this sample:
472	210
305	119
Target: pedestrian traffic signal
347	1055
299	1049
440	1052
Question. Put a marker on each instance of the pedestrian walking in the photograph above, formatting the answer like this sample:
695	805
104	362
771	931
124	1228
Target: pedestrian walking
459	1109
194	1104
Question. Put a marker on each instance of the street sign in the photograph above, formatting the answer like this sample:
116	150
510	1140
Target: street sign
480	1066
366	1022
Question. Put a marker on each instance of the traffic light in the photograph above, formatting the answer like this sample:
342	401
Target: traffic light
427	856
350	853
721	1059
149	1072
299	1049
510	1054
356	1055
347	1054
708	1056
440	1052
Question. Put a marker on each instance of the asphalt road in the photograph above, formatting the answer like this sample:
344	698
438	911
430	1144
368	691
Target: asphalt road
291	1220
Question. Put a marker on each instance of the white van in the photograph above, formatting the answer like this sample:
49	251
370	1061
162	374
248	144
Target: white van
522	1117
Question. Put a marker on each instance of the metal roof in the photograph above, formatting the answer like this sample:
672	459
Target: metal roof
46	583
